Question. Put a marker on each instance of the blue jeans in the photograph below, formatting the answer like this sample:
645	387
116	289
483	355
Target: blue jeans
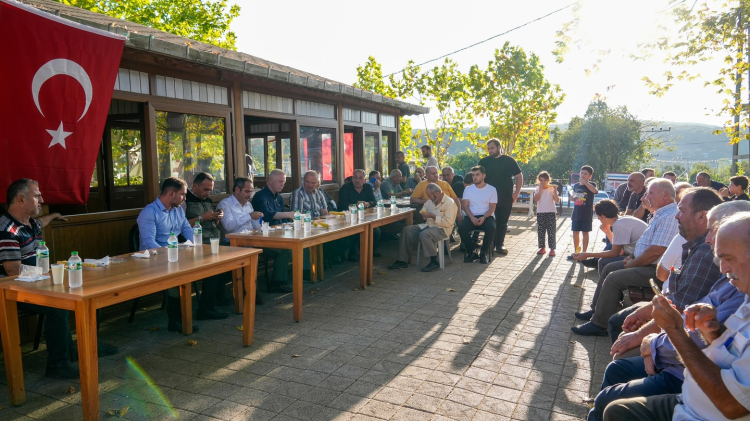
627	378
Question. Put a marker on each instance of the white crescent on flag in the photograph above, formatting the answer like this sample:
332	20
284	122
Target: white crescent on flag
61	66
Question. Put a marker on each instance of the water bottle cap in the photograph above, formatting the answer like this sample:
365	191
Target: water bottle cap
74	253
41	243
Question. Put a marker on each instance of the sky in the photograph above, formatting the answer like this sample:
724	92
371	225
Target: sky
331	38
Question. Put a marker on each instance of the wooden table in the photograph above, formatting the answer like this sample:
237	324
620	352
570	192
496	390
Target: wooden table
297	241
374	221
105	286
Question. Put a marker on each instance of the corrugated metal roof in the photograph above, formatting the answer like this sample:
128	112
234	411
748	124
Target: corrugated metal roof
145	38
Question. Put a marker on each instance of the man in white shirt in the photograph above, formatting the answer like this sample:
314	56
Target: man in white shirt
717	379
427	154
440	213
479	202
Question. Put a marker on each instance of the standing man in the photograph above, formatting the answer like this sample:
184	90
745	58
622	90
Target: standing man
156	222
270	202
500	171
637	189
671	176
703	179
309	197
403	167
351	194
199	208
427	154
440	213
479	202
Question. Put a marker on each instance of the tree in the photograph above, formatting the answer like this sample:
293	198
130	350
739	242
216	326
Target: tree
519	101
202	20
462	162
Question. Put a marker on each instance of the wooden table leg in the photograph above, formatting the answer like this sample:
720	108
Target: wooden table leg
248	318
12	349
186	304
88	359
365	253
239	295
321	264
313	264
297	281
410	218
370	257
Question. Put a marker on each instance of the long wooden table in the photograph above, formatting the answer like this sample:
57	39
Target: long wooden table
298	240
105	286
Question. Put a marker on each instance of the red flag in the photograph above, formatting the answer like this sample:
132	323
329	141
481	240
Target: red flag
56	84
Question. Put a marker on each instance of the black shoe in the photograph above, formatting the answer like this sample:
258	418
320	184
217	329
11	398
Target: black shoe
376	254
452	238
105	350
177	327
431	267
507	231
398	265
591	263
501	250
471	257
276	287
571	258
589	329
66	372
224	302
483	258
211	315
586	315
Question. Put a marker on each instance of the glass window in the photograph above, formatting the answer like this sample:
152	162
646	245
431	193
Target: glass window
256	163
127	162
317	151
348	154
371	151
286	156
188	144
384	150
271	153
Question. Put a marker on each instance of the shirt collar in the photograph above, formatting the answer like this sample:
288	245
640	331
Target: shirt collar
694	243
160	205
665	209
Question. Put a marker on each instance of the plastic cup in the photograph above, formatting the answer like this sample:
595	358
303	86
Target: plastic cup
58	273
214	246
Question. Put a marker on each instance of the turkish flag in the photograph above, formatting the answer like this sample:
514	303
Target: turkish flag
56	84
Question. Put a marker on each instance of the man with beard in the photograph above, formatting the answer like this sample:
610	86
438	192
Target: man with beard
500	171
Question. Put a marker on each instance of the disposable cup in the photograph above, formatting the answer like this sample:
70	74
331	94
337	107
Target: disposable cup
214	246
58	273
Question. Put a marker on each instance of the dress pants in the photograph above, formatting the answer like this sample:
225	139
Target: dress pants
502	214
611	284
56	332
650	408
428	237
488	227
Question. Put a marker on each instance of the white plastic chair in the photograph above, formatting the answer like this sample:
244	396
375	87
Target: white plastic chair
441	253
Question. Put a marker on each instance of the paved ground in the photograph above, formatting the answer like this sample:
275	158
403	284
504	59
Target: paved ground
471	342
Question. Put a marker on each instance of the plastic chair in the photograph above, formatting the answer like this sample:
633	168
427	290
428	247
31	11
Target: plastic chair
441	252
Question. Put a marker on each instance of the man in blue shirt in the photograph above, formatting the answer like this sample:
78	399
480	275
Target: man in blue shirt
156	222
270	202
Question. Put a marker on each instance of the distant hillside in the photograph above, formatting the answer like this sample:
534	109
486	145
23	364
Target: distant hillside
691	140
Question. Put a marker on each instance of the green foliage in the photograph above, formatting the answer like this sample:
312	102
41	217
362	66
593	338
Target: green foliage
463	161
519	101
608	139
202	20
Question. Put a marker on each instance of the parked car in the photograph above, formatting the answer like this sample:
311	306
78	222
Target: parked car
600	196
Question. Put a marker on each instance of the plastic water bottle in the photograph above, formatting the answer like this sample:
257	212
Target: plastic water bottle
393	203
308	221
172	248
361	211
380	207
42	257
75	271
297	220
197	234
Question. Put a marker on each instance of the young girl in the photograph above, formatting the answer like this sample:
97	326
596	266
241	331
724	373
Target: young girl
546	196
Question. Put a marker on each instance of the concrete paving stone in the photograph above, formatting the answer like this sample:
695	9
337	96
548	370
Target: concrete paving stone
248	396
424	402
411	414
488	416
320	396
226	410
348	402
379	409
302	410
497	406
275	403
363	389
465	397
457	411
350	371
524	413
191	402
473	385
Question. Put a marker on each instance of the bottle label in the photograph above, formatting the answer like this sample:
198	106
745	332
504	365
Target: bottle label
74	266
42	254
172	246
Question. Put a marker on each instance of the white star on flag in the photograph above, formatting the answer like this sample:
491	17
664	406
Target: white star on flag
58	136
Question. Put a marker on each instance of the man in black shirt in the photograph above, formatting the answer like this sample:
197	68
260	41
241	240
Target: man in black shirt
500	170
403	167
637	188
351	194
703	179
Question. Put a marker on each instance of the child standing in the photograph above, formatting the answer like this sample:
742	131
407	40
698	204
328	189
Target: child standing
583	211
546	196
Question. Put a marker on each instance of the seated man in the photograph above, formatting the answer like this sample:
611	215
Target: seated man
637	188
636	376
716	379
623	232
374	180
703	179
156	222
440	213
636	269
411	182
392	186
199	207
309	197
351	194
269	202
419	195
19	235
479	202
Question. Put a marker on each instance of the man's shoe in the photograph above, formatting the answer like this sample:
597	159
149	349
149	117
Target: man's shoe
501	250
586	315
227	301
591	263
276	287
431	267
105	350
483	258
177	327
211	315
571	258
589	329
471	257
398	265
66	372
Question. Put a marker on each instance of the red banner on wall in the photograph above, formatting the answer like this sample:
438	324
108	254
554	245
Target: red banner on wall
56	86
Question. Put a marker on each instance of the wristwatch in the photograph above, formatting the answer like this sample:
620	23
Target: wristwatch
200	218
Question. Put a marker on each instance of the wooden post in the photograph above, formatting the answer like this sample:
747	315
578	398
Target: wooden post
88	358
186	304
248	319
12	349
297	287
239	134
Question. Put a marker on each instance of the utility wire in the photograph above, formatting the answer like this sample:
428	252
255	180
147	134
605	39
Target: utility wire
488	39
